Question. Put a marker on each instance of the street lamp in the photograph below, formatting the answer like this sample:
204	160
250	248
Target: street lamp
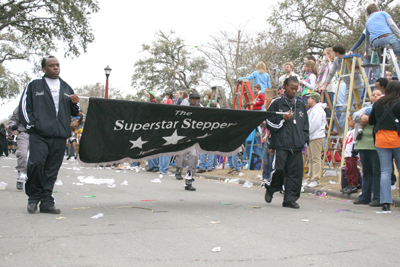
107	70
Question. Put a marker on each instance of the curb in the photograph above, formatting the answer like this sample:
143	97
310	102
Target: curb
306	190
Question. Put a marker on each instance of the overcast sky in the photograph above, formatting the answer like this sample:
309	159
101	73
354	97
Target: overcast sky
121	27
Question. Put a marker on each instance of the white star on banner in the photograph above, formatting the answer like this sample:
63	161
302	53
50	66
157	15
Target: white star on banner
173	139
138	143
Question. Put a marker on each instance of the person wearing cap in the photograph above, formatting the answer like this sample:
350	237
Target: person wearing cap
152	97
190	158
317	121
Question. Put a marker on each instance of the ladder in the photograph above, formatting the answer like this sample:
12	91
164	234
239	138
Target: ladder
330	107
243	89
216	94
255	141
387	51
350	64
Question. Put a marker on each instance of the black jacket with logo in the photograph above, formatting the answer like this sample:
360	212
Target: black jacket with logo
287	135
37	112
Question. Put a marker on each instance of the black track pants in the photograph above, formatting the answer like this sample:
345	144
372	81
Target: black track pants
44	161
291	164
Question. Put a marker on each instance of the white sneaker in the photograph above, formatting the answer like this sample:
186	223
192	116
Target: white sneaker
304	183
313	184
393	187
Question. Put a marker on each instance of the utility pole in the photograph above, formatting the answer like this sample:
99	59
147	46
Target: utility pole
237	52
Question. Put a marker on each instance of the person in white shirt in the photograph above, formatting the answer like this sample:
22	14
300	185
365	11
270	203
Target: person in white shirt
289	72
317	121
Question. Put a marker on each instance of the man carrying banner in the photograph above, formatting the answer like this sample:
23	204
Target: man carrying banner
289	134
45	111
191	157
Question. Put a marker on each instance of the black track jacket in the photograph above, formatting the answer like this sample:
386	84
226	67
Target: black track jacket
286	135
37	112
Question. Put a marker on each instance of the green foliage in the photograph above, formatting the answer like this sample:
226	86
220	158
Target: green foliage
10	84
167	62
323	23
29	27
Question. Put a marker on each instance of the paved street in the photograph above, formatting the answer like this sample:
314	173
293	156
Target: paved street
180	228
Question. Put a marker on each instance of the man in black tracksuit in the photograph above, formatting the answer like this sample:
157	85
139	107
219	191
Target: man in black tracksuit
45	111
289	134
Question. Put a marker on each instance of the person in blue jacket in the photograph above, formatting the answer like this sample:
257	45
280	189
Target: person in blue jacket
260	76
381	29
376	73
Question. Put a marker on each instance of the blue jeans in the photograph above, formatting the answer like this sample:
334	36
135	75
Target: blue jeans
267	165
392	40
371	179
153	164
233	162
206	161
164	163
386	159
376	73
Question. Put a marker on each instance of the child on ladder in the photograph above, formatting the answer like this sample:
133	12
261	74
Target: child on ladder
259	99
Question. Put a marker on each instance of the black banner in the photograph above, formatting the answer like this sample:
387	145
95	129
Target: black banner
117	130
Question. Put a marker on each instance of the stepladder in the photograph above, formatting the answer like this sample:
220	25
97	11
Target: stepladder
354	102
381	58
243	93
252	141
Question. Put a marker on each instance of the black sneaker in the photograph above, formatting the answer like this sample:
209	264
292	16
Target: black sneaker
359	135
350	190
51	210
359	202
32	207
375	204
20	185
344	189
201	171
386	207
291	204
190	187
268	196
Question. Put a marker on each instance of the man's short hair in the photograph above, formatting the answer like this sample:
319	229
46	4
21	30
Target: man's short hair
44	60
339	48
371	8
383	82
257	86
290	64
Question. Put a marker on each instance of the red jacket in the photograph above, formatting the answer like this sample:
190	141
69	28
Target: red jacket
259	98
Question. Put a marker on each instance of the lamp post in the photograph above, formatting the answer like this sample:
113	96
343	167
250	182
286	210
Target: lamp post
107	70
